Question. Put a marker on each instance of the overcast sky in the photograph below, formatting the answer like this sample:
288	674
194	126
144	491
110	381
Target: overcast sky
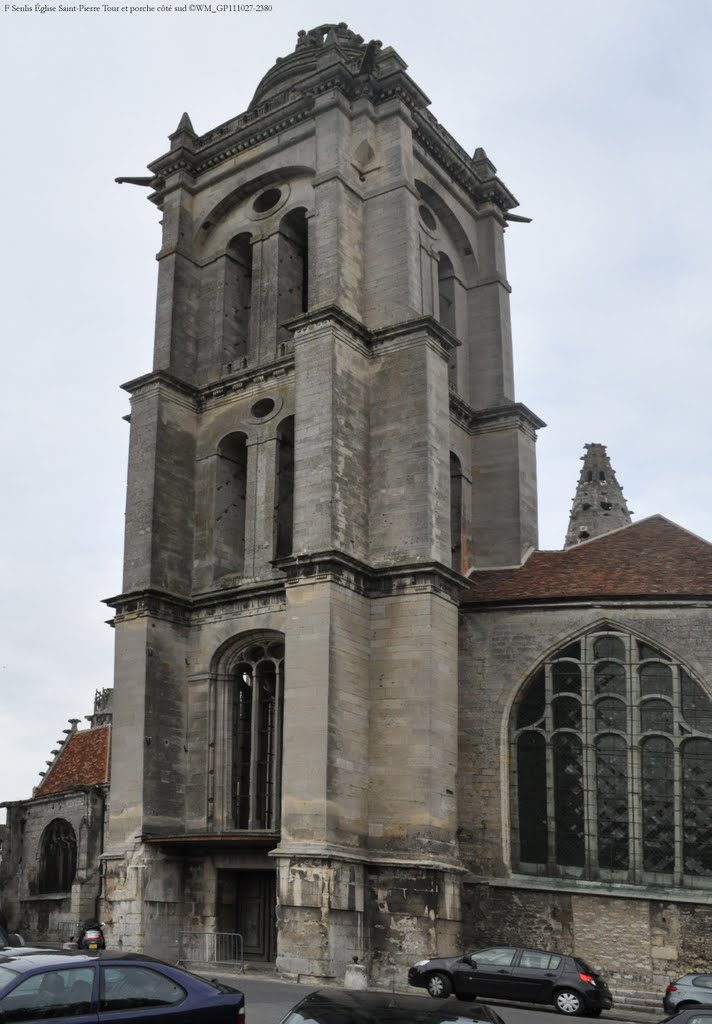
597	116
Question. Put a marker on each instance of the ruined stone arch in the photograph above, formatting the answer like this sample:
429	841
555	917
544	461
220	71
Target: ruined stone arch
611	764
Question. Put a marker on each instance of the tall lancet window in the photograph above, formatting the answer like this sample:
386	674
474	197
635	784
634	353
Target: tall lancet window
230	496
257	697
284	490
612	766
237	306
446	305
455	512
293	270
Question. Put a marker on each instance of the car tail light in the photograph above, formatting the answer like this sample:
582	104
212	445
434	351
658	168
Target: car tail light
588	978
671	988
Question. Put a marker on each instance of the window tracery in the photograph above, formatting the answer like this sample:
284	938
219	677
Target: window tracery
612	766
255	700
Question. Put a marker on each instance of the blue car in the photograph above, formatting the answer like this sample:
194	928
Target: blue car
84	988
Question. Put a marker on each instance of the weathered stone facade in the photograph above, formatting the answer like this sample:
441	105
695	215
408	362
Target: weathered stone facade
313	707
50	872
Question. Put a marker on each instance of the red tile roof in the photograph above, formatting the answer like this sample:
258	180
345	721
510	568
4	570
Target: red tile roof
651	558
82	761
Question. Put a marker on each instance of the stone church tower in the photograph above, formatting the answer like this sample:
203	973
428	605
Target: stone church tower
328	440
598	505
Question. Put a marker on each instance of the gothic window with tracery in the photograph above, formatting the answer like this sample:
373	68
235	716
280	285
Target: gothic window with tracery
256	725
612	766
58	857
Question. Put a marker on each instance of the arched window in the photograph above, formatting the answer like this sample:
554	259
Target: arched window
293	271
455	512
230	493
446	305
257	689
284	490
612	766
237	304
58	857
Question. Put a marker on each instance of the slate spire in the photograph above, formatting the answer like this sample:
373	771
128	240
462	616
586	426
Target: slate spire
599	505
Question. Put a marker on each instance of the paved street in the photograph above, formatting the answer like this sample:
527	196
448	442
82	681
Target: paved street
267	1000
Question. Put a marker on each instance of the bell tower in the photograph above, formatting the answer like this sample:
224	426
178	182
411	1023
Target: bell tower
327	441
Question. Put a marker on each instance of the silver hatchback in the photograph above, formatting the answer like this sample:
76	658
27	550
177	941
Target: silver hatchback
689	990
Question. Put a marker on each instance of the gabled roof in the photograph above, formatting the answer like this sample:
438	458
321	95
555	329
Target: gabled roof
82	761
650	558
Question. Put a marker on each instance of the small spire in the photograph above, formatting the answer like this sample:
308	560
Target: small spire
184	136
185	125
482	164
599	505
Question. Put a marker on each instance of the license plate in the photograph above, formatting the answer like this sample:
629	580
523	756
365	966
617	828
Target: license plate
93	945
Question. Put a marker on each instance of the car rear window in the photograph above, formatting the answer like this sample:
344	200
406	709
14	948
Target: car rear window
6	976
583	966
533	958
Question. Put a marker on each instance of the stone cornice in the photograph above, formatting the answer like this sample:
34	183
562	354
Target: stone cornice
686	601
483	421
158	380
154	602
226	599
310	850
306	323
393	335
437	141
241	380
371	581
418	325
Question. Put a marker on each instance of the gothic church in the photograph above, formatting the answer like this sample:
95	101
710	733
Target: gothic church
356	712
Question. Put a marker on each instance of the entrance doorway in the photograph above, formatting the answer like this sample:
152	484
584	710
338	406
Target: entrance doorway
247	904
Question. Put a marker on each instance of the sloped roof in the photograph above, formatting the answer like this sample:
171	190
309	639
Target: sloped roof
650	558
82	761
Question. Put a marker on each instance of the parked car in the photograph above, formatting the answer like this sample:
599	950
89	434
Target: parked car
39	984
526	975
341	1006
689	990
695	1015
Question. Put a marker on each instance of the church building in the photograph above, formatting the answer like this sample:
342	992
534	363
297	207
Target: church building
356	711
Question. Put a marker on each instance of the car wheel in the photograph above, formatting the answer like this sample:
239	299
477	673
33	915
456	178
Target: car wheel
568	1002
439	986
685	1006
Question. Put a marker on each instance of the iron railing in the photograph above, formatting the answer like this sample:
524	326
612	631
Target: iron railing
212	948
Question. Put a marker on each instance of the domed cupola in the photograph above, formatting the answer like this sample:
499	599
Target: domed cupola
316	50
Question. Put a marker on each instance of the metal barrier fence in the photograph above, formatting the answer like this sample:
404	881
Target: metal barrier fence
212	948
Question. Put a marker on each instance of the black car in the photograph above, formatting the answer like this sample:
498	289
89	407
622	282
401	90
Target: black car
526	975
340	1006
39	984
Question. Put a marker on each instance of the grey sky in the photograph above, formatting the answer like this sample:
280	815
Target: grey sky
597	117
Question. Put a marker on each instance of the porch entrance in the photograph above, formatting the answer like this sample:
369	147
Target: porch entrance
247	903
